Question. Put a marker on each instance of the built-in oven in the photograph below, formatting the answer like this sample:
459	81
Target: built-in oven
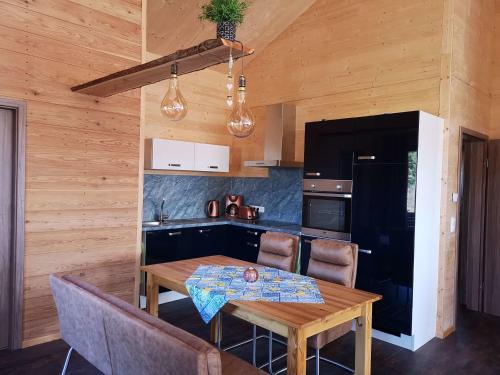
326	208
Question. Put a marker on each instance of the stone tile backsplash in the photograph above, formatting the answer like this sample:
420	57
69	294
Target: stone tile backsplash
186	196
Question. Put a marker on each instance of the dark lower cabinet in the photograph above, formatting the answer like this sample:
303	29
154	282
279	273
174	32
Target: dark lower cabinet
305	253
166	246
205	241
171	245
244	243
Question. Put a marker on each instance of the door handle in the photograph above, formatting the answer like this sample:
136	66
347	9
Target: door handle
174	164
317	174
252	244
203	230
171	234
366	157
254	233
213	166
364	251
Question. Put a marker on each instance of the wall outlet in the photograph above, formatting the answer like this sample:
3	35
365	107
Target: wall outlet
261	208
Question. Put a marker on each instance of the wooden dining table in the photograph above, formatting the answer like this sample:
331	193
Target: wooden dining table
294	321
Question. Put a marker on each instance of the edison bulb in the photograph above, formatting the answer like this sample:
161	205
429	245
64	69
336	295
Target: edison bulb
241	122
173	105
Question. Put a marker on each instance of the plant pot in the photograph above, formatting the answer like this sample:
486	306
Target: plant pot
226	30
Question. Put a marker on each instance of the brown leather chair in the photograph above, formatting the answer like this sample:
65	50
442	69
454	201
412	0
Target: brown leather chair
336	262
278	250
119	338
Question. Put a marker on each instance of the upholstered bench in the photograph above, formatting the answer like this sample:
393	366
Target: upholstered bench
119	338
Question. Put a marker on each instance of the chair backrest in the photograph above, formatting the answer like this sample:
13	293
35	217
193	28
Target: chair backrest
278	250
127	339
334	261
81	322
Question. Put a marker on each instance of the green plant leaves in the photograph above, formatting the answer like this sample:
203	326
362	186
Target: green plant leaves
224	10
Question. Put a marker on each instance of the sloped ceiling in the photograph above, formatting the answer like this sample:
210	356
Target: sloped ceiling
174	24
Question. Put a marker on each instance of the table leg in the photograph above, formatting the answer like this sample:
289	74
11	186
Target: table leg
152	291
297	350
216	329
364	341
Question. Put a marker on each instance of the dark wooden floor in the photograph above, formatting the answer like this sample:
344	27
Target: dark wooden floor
473	349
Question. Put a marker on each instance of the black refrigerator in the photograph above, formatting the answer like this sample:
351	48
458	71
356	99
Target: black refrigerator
383	225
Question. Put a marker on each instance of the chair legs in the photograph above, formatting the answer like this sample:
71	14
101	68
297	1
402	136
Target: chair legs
254	345
270	353
66	362
219	329
253	340
317	358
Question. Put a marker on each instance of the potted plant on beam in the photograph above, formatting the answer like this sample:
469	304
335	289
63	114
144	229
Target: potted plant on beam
227	14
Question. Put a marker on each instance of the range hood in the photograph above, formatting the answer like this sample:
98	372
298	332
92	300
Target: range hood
279	138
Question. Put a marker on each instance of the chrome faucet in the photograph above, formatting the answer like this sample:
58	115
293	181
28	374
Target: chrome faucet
163	216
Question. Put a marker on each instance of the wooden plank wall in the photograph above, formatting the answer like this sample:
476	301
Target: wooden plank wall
368	57
347	60
82	153
465	102
205	92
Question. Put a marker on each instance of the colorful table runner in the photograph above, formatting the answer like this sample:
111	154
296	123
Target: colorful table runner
210	287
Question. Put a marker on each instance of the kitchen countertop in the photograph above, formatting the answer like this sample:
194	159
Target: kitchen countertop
278	226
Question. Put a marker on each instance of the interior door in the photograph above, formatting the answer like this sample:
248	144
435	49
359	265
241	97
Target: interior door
6	194
492	248
471	240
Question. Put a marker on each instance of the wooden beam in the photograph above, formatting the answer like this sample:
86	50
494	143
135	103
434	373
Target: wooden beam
208	53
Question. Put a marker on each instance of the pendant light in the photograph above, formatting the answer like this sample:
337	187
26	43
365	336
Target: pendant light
230	81
173	105
241	122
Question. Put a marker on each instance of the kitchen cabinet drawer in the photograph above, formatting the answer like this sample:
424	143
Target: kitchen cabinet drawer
169	154
211	158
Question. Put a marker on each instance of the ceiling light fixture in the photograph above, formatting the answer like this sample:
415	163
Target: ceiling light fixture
241	122
174	106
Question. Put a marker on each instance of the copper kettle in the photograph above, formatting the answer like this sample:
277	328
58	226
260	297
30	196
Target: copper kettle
248	213
213	208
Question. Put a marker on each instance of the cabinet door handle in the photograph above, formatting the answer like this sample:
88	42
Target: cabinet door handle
364	251
307	241
252	244
213	166
174	164
171	234
203	230
254	233
366	157
317	174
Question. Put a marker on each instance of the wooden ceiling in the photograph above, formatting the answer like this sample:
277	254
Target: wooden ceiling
174	24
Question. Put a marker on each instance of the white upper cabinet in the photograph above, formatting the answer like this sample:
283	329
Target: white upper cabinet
167	154
185	156
211	158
